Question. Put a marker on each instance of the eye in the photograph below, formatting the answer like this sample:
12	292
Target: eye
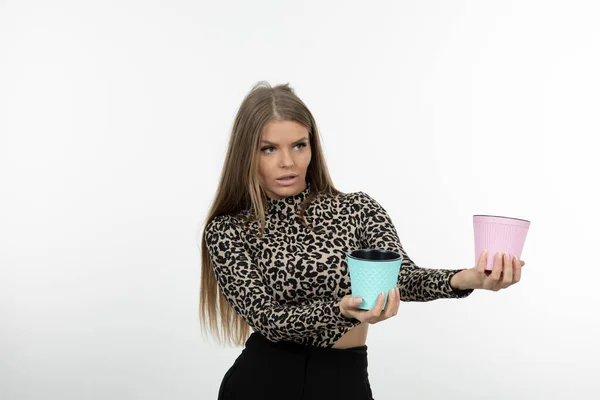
264	149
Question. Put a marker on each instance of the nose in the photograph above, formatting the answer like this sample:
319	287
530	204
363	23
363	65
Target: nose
286	159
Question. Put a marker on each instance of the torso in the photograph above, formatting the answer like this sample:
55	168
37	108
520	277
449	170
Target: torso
300	265
357	336
293	266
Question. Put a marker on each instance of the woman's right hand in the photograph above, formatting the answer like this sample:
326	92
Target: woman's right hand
349	304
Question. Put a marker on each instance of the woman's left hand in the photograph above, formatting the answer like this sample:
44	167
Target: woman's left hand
504	273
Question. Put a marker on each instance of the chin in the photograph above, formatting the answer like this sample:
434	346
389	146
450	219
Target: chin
284	191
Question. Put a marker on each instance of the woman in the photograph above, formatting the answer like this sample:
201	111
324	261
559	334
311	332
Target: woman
274	260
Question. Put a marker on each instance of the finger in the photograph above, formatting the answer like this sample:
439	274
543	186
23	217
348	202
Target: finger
379	306
352	302
491	280
518	264
397	300
481	263
375	312
497	268
507	269
391	300
387	311
349	305
394	303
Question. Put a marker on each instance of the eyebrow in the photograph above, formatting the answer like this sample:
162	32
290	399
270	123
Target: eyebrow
297	141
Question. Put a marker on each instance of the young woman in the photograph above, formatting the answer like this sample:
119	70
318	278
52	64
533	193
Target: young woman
274	260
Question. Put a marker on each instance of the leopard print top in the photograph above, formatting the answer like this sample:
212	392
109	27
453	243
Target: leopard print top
287	284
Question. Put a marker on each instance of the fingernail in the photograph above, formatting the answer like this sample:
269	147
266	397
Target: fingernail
357	300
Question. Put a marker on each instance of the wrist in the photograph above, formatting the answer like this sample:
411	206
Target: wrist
460	281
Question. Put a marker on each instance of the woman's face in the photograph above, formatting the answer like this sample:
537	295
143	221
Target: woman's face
284	150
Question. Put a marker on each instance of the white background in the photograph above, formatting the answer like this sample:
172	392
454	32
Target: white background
114	121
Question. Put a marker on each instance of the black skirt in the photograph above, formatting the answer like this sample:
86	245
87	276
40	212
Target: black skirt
284	370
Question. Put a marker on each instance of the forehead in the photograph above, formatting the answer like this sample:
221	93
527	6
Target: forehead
283	131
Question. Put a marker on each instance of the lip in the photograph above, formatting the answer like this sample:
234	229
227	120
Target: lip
288	182
283	176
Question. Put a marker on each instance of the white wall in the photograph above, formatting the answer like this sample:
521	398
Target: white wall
114	120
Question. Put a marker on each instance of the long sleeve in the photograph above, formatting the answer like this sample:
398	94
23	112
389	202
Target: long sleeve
377	231
242	283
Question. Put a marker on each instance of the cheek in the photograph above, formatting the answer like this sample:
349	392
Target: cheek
307	159
263	167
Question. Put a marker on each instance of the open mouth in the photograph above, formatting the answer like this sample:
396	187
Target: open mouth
289	178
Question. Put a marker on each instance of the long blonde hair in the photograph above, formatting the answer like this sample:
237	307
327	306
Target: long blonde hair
239	189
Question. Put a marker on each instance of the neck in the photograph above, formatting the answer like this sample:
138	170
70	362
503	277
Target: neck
289	203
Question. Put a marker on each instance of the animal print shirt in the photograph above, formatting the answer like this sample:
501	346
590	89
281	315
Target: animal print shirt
287	285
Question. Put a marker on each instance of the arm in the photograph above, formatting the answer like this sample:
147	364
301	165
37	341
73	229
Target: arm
377	231
242	284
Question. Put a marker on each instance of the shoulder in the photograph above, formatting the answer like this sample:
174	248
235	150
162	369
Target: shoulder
224	226
341	202
365	205
360	200
359	204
